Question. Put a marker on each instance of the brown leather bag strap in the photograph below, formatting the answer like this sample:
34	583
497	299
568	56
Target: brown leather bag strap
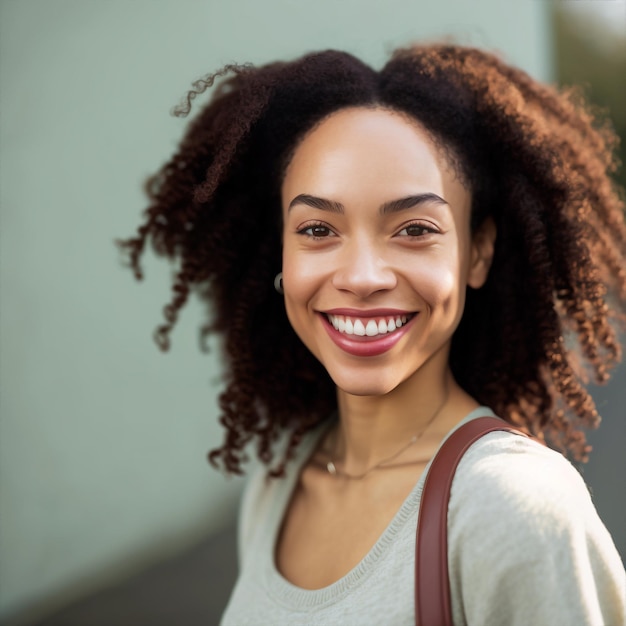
432	585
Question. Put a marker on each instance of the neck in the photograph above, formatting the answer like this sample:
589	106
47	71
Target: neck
373	428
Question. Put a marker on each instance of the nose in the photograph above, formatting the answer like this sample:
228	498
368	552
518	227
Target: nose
363	270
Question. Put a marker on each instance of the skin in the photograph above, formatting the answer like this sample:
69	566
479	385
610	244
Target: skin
376	225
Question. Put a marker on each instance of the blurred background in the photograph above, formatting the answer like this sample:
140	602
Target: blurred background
109	512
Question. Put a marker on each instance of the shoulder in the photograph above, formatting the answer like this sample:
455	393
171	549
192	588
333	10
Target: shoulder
519	474
525	543
265	498
255	512
508	485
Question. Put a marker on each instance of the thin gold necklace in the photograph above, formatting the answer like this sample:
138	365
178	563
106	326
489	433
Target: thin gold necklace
332	468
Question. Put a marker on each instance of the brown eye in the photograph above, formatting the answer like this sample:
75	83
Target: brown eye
319	231
316	231
414	230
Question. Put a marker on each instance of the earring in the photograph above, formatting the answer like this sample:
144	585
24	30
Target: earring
278	283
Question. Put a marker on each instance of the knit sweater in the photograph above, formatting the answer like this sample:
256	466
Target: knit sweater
525	546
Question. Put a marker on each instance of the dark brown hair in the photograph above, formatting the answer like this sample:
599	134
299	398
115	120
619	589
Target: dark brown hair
534	159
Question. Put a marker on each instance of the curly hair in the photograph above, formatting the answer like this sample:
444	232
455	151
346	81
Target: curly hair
535	159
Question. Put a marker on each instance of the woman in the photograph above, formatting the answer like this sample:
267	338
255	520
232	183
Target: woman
444	241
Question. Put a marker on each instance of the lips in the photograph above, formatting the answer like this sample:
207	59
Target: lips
366	333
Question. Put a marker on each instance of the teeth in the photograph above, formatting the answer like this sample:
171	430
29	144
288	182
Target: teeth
369	327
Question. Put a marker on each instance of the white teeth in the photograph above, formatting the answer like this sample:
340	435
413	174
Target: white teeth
367	327
359	329
371	330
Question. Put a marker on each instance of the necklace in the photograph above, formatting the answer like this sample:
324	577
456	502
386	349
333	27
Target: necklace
332	468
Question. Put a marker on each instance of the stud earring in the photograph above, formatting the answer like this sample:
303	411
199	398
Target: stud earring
278	283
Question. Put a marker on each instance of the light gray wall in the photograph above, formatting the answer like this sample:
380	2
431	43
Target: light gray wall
102	438
605	474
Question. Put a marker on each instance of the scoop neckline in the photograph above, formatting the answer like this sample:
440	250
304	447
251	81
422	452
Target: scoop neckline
294	597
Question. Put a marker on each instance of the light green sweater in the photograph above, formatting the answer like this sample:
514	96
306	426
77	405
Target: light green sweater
525	547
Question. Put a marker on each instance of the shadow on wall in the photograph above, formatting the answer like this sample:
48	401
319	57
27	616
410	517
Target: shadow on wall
190	589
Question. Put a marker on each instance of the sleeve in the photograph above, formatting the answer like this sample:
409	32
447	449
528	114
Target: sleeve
525	543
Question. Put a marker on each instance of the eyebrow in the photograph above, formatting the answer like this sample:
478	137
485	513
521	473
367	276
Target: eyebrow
317	203
393	206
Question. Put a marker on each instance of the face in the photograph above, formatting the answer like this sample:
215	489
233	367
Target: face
377	250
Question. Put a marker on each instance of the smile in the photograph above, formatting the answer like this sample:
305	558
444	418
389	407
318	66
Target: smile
368	327
367	334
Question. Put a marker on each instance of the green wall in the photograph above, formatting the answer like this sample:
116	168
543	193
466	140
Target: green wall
102	438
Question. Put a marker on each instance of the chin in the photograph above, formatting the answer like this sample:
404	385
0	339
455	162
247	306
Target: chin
361	385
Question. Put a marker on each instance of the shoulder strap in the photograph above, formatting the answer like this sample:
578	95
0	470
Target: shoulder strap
432	586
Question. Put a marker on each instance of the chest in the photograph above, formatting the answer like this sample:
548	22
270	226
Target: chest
329	527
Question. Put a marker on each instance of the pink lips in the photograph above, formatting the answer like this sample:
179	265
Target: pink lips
366	346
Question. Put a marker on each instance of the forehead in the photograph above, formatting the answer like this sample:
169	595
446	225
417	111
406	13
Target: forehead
369	152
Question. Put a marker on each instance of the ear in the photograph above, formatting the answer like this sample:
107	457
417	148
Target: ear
481	256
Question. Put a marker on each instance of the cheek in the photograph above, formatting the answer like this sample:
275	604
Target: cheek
292	315
299	314
438	280
301	281
299	293
304	272
300	275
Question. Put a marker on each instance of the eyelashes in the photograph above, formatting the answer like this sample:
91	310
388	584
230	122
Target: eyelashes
413	230
316	231
417	229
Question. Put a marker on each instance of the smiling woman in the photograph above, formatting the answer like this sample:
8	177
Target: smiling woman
370	242
435	232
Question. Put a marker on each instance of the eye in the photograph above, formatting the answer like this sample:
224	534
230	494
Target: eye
417	229
316	231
